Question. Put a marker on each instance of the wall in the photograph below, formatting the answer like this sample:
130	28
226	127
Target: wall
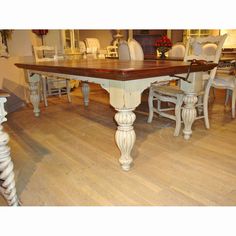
53	38
12	78
20	43
177	36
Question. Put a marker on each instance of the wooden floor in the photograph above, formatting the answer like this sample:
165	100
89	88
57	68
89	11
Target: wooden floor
68	156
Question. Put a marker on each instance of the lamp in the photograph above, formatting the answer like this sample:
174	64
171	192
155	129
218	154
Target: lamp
117	37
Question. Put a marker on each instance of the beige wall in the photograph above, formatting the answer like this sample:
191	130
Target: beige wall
177	36
53	38
20	49
20	43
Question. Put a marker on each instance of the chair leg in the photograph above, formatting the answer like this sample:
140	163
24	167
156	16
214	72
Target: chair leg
158	105
178	115
68	90
199	107
205	108
226	97
150	105
59	91
44	83
233	102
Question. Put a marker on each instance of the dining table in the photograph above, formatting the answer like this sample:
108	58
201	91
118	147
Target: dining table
125	81
7	179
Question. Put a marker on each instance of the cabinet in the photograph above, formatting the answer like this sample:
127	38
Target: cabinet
70	41
195	33
147	39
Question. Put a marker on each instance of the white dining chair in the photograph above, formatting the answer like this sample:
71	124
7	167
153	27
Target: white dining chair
130	50
175	94
136	51
227	81
51	85
93	48
177	50
123	51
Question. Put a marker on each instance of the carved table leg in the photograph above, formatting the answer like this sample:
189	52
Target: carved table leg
85	91
7	187
189	113
34	93
125	135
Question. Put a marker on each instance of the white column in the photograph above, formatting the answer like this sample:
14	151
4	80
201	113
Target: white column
7	182
189	113
85	92
125	135
34	92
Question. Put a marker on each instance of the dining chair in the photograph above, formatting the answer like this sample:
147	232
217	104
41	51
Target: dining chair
177	50
136	51
130	50
175	94
82	47
112	51
227	80
123	51
93	48
51	85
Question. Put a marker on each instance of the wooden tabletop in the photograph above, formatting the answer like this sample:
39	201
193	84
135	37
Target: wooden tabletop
4	93
154	57
115	69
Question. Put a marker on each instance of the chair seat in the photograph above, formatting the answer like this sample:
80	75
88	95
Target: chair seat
168	90
224	81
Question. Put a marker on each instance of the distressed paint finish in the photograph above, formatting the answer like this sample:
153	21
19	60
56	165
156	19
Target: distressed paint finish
7	181
124	81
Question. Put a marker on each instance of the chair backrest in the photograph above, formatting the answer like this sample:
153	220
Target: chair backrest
177	50
194	48
82	47
136	51
112	51
123	51
44	53
209	49
92	44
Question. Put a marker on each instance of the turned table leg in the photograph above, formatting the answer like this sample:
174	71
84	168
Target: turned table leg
85	92
189	113
125	135
7	187
34	92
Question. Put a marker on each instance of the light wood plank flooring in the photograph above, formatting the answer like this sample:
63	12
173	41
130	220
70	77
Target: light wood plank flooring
68	156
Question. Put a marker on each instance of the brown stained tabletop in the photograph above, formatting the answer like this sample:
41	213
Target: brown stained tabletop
114	69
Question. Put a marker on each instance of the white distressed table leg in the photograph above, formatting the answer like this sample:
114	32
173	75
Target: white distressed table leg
125	135
189	113
7	187
85	92
34	92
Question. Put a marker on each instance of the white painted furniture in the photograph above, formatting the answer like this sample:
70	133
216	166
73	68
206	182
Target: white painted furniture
82	47
125	81
112	51
7	182
70	41
209	49
227	81
93	47
136	51
175	94
50	85
177	50
130	50
123	51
